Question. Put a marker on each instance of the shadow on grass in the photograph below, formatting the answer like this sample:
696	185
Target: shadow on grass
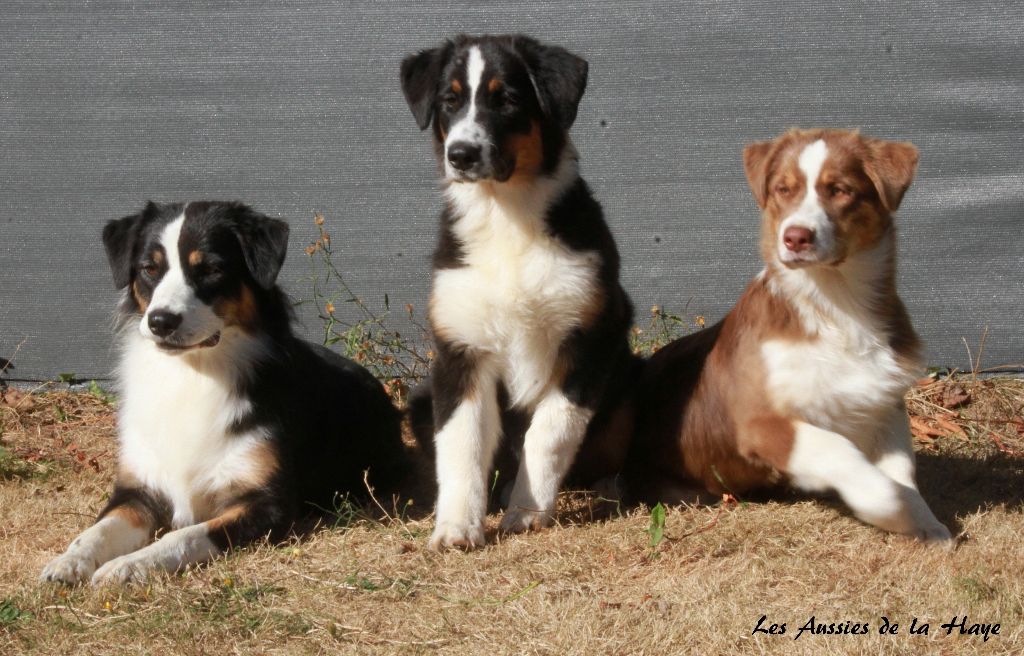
955	485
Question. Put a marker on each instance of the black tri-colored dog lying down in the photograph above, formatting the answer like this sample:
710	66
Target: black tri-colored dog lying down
231	429
526	309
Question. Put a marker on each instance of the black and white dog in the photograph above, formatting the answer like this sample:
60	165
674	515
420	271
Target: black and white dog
230	427
526	307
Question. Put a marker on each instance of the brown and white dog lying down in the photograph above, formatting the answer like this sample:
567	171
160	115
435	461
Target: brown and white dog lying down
805	377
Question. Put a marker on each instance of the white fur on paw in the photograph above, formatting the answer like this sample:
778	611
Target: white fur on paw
126	569
447	535
936	534
69	569
519	520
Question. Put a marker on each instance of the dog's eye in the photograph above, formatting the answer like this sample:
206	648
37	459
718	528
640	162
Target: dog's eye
783	190
450	101
150	269
209	270
505	99
840	192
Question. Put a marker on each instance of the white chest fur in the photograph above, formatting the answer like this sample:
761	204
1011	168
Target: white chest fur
846	378
520	292
173	419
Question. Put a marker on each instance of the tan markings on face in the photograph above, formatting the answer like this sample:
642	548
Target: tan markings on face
528	150
139	298
240	311
787	187
843	189
195	258
493	85
157	256
849	197
130	514
456	86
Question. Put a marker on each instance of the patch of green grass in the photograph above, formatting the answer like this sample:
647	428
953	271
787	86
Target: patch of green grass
363	583
232	599
974	589
105	397
11	615
13	468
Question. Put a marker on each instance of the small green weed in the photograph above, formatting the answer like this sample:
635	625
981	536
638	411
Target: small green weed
656	529
390	356
13	468
105	397
344	512
11	615
664	327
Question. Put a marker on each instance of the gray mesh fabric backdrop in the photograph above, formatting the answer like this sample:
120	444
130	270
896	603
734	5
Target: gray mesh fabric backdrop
296	108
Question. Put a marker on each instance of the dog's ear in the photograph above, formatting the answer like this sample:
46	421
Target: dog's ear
890	165
757	158
420	75
264	243
558	76
120	237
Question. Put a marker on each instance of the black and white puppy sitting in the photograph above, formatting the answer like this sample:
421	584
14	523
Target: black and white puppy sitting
230	427
526	307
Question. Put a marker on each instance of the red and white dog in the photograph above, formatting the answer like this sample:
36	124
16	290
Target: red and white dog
806	376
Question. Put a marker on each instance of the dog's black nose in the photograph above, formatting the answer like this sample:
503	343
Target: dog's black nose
463	155
162	323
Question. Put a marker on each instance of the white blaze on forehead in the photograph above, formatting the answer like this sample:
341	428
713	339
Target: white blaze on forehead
172	293
810	214
467	129
474	73
811	159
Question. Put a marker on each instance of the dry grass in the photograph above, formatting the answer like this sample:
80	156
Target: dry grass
592	585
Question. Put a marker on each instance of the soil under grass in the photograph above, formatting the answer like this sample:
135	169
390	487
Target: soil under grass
592	585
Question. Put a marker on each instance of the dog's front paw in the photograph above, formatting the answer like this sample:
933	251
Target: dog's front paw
461	536
936	534
68	568
121	571
520	520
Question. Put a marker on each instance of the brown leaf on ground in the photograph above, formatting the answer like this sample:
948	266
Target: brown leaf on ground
923	430
14	397
953	395
951	427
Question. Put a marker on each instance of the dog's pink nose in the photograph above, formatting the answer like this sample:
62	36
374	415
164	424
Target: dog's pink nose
798	239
